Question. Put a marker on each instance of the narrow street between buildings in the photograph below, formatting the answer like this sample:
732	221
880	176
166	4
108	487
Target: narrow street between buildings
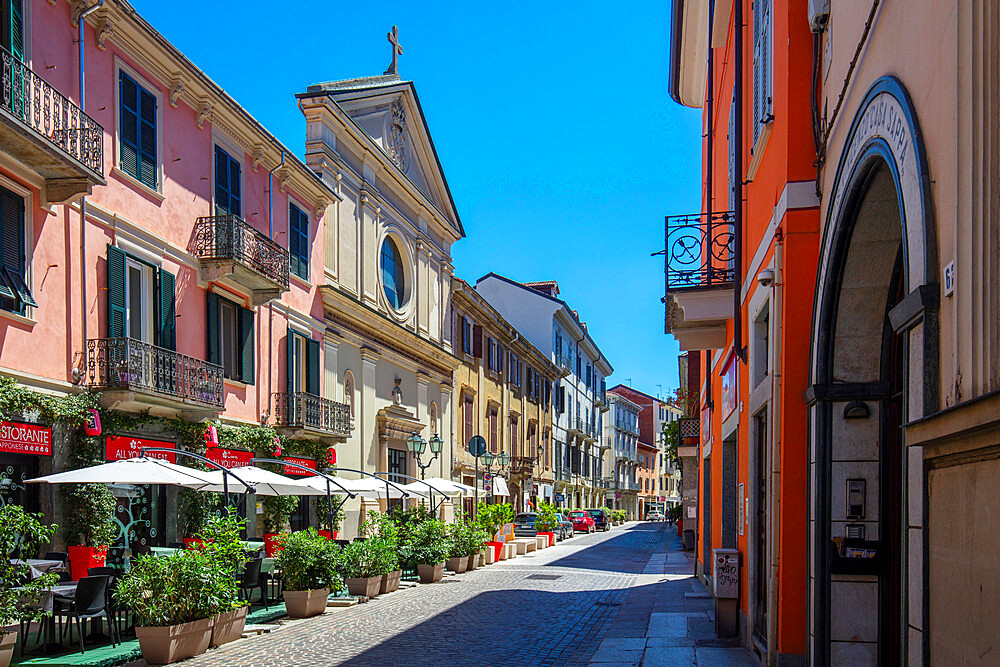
625	597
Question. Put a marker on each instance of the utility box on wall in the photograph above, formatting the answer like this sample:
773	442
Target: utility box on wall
726	589
726	573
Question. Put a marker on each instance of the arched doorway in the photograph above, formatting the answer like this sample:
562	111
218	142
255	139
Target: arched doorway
874	368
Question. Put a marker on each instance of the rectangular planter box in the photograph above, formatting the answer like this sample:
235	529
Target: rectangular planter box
162	646
228	626
303	604
430	574
457	565
473	562
364	587
390	582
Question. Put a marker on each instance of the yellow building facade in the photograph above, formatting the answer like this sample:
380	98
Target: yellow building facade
503	392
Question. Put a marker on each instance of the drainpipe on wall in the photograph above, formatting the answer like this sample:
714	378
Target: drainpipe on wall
79	374
266	414
777	294
738	185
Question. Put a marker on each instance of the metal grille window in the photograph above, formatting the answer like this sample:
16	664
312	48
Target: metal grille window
298	241
762	66
137	131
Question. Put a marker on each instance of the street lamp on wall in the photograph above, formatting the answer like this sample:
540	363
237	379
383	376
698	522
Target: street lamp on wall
417	445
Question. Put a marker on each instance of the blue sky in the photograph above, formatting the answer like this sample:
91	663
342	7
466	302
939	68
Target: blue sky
560	143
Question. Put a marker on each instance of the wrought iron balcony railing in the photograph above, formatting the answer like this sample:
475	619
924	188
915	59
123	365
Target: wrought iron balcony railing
566	362
312	413
125	363
229	237
520	465
48	113
698	251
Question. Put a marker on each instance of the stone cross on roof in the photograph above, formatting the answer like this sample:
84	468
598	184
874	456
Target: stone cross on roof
397	50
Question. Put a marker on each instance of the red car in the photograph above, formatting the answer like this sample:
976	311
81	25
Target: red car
582	522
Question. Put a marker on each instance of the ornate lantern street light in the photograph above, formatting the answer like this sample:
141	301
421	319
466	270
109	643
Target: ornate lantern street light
417	445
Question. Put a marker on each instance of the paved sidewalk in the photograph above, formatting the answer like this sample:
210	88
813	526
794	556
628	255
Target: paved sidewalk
668	621
625	597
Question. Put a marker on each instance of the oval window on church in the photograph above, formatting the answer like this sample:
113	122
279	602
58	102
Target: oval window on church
392	273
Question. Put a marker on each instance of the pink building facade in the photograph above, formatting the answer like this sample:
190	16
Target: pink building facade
189	288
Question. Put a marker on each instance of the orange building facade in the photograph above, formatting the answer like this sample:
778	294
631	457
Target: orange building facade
752	251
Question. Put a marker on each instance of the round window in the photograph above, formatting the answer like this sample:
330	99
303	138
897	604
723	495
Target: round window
392	274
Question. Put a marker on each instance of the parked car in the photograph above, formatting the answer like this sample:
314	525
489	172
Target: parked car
654	516
601	517
582	521
565	527
524	524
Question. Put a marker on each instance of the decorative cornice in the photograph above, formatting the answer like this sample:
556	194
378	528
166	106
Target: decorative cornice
104	30
176	90
204	114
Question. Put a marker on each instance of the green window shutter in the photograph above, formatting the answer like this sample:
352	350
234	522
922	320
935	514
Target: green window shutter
17	29
128	120
147	139
167	316
290	358
213	328
116	293
312	366
246	346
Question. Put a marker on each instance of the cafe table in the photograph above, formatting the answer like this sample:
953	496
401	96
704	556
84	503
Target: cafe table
39	566
65	592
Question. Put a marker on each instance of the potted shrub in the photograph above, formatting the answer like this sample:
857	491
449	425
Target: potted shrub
21	535
360	564
428	548
220	541
474	539
277	511
546	522
492	518
174	599
90	526
309	565
330	530
383	531
458	557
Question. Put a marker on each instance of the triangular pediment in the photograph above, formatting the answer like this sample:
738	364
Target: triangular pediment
387	109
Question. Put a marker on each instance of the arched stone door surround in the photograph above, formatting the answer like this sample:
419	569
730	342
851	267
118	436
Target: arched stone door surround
876	293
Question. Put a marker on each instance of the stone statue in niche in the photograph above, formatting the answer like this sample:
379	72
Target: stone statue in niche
397	393
398	152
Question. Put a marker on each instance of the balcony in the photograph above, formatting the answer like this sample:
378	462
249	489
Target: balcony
574	425
41	129
563	475
566	363
698	263
304	415
689	430
134	375
232	251
521	465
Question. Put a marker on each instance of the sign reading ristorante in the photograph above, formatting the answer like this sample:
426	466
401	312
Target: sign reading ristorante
19	438
125	447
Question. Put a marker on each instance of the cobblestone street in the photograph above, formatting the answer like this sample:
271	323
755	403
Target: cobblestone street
624	597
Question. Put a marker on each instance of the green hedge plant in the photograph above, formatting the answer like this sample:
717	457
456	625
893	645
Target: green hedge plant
308	561
21	536
494	517
546	521
169	590
90	515
221	543
429	544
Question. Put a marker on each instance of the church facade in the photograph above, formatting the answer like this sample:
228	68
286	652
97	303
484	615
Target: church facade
387	348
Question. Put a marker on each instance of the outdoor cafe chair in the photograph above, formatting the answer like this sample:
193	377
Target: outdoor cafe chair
251	578
90	602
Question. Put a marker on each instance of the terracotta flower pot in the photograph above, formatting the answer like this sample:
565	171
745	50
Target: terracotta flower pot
161	646
81	559
367	587
8	640
457	565
473	562
549	534
271	544
430	574
390	582
303	604
228	626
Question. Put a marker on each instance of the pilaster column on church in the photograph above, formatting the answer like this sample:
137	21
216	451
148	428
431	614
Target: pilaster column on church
369	214
421	410
420	288
445	273
371	455
447	433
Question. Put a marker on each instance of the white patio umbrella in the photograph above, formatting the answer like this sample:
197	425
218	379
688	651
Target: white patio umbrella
140	470
342	485
447	487
379	488
265	482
